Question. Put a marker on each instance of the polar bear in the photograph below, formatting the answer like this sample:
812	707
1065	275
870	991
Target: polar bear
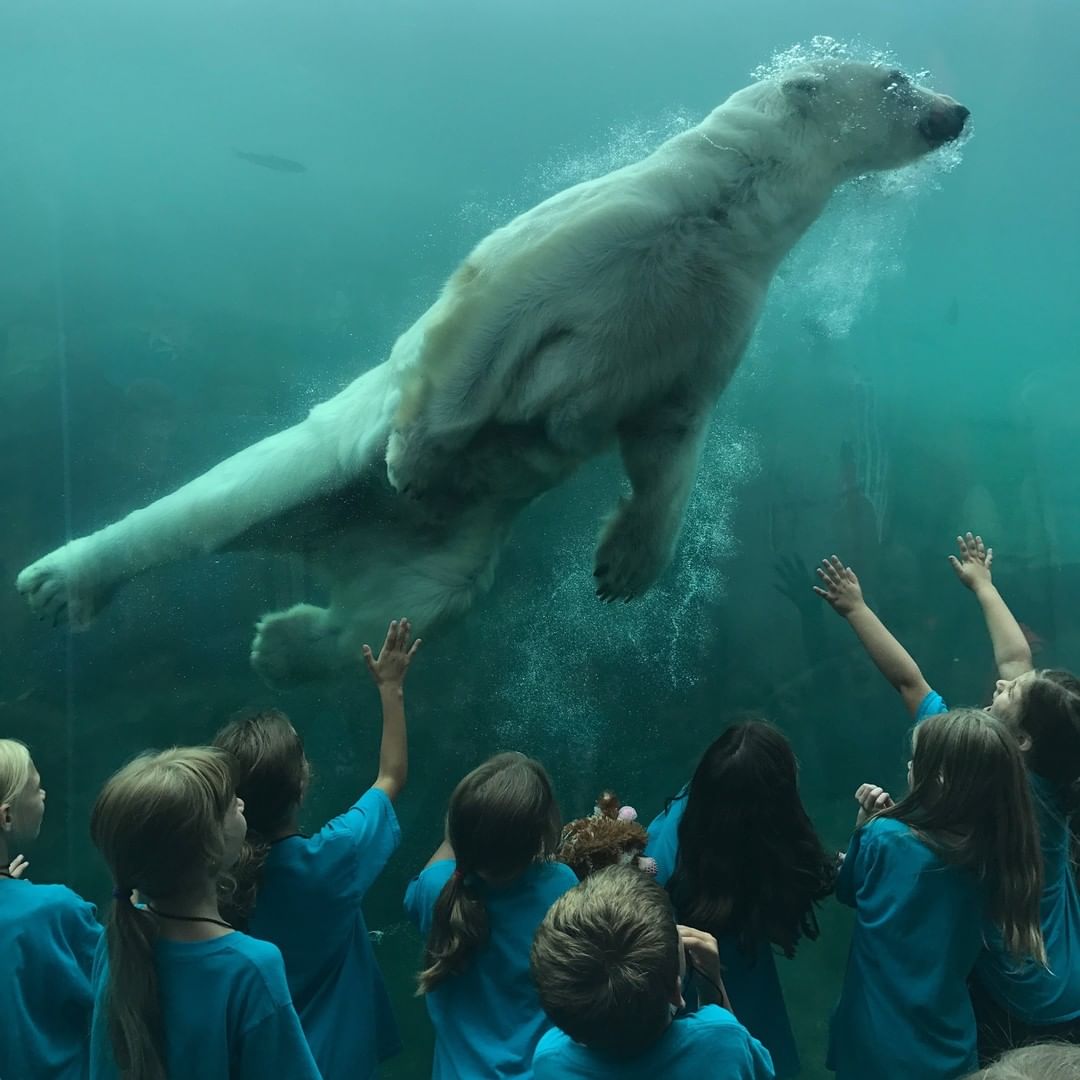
612	314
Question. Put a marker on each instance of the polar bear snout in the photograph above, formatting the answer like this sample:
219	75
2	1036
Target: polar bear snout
944	122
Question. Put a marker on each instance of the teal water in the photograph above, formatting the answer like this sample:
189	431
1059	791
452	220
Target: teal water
164	303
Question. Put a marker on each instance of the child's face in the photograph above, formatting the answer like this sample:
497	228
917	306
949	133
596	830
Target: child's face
1009	696
235	831
22	817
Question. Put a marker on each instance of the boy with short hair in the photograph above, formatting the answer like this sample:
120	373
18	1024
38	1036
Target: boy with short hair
609	961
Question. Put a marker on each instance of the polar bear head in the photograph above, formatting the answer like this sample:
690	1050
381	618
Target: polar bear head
864	117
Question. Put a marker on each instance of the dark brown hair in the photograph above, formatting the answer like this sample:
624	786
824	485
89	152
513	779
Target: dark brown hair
502	817
271	774
749	861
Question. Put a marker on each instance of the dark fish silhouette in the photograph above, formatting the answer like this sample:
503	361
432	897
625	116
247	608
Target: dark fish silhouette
272	161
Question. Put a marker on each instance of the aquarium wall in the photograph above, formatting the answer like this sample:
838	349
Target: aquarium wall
215	216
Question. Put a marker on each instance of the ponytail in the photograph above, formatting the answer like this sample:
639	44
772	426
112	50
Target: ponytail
502	817
159	822
133	1005
459	927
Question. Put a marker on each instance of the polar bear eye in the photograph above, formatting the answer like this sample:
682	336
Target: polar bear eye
896	80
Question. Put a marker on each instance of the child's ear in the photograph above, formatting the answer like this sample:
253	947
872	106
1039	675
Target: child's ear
6	821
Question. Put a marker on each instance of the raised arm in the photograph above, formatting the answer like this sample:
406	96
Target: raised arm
840	587
388	671
1012	653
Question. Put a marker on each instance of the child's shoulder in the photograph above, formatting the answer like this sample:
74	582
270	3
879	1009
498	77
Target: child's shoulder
713	1022
556	875
57	901
259	960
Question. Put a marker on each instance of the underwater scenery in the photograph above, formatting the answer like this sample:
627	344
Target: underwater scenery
594	464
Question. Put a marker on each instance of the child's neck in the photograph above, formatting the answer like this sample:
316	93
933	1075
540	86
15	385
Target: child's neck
5	857
195	914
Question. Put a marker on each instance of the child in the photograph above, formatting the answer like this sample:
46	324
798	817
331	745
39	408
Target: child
48	936
609	961
919	874
178	992
1048	1061
478	903
1026	1003
304	893
741	859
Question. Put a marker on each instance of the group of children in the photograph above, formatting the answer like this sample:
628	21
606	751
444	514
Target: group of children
235	945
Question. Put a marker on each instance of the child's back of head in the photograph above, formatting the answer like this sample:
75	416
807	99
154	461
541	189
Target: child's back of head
1048	1061
606	962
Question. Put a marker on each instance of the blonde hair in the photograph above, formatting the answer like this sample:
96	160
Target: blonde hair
15	768
605	961
1047	1061
970	802
159	823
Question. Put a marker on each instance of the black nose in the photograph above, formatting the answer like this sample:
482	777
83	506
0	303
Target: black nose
944	125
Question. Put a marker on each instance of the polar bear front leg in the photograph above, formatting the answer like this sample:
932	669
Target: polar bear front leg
660	452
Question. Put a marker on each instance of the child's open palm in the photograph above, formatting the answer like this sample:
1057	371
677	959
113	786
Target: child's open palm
395	656
973	566
839	585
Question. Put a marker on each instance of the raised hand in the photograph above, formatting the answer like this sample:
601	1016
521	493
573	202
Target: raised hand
871	799
18	866
839	586
973	565
395	656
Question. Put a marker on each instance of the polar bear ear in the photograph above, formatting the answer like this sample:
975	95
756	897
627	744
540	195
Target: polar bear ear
800	89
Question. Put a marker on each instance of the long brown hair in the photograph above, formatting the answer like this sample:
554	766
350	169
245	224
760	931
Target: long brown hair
502	817
970	802
271	774
158	823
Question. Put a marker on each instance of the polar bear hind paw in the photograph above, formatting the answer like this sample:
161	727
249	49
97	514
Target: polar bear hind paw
297	646
629	559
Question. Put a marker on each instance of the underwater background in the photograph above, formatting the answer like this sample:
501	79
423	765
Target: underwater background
165	300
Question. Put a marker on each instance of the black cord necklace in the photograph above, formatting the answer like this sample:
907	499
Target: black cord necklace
190	918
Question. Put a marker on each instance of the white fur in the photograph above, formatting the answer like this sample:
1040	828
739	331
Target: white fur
614	312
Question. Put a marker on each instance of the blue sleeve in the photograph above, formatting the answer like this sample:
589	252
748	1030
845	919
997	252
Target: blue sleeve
276	1046
365	837
930	705
83	933
761	1063
424	890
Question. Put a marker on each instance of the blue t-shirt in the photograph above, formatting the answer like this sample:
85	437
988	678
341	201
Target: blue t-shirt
703	1044
1038	995
488	1019
48	937
308	905
226	1010
751	980
904	1010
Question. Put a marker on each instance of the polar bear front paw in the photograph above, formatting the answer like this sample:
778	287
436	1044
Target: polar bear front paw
59	590
633	553
296	646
